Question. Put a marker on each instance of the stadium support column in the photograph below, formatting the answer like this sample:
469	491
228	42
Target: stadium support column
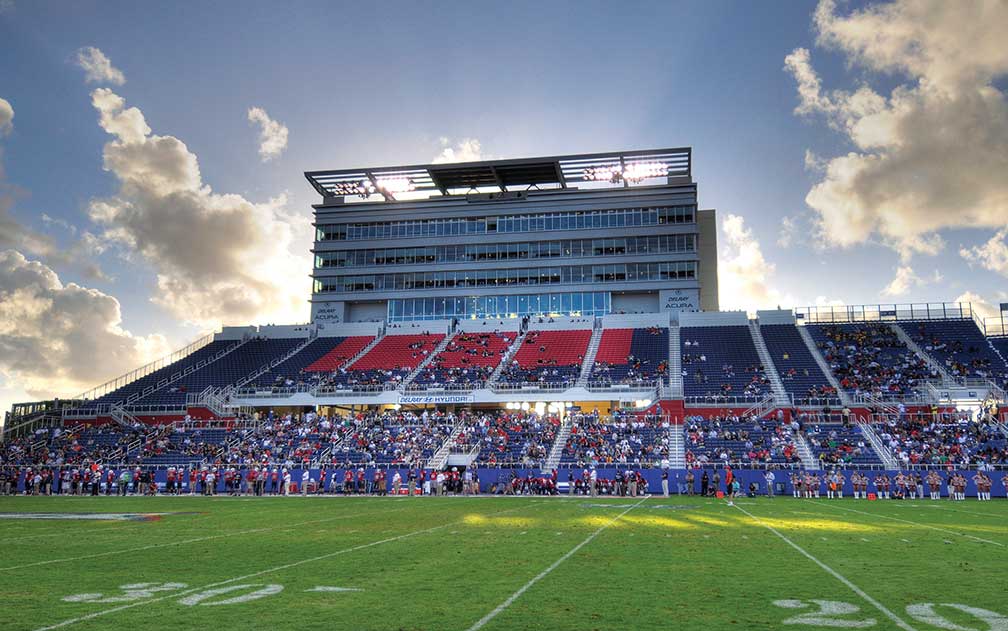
707	246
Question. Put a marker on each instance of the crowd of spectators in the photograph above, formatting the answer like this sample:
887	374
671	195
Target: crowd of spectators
738	441
870	358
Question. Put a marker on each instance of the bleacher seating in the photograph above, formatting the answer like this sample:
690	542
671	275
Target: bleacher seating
624	441
468	360
548	358
739	442
229	370
959	346
799	372
631	356
839	444
391	360
510	439
303	368
139	385
925	439
868	357
721	362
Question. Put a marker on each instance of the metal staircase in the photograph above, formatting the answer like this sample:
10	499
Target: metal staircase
556	452
876	443
913	346
781	398
123	417
823	366
589	358
427	360
364	351
440	457
508	356
805	452
677	447
675	363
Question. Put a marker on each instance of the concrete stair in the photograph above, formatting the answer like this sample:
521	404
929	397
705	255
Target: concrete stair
589	359
781	398
556	452
823	366
675	362
427	360
913	346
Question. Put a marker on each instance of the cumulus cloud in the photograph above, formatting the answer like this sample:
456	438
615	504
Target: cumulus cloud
272	134
981	306
932	153
787	231
219	258
97	67
465	150
60	339
992	255
906	279
6	117
744	274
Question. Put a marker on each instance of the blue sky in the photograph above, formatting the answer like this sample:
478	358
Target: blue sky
357	85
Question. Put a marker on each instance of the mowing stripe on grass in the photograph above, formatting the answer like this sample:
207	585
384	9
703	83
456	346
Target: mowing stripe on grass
913	523
507	603
182	542
854	588
278	568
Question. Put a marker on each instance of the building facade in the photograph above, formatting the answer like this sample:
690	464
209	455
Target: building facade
582	235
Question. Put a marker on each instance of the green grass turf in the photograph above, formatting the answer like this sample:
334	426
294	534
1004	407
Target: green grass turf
446	563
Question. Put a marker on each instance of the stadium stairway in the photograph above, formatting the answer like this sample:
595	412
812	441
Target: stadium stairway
589	359
675	363
556	452
427	360
677	447
913	346
364	351
805	452
508	357
883	452
781	397
823	366
440	457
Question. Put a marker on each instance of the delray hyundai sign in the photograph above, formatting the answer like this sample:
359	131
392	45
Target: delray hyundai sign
426	399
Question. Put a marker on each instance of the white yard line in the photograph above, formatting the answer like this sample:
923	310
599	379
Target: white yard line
278	568
965	512
854	588
507	603
913	523
183	542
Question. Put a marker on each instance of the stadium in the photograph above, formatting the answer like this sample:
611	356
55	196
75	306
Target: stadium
537	316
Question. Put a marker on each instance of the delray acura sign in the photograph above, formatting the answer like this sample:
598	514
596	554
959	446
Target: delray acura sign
680	299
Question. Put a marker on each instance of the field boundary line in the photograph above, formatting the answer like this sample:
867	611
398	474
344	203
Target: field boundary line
279	568
182	542
507	603
914	523
837	575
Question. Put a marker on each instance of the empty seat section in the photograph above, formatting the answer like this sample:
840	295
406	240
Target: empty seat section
390	361
469	359
798	369
228	370
868	357
550	358
340	354
959	346
300	369
136	387
721	361
631	356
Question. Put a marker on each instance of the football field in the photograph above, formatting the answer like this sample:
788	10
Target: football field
496	563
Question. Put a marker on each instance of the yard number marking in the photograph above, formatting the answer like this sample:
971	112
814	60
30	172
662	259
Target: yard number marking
925	613
131	592
827	614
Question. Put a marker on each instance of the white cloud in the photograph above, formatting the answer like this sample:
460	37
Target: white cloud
98	68
465	150
787	231
60	339
992	255
932	154
6	117
981	306
743	272
906	279
219	258
272	134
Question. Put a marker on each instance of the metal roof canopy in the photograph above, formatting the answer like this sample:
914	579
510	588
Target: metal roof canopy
552	171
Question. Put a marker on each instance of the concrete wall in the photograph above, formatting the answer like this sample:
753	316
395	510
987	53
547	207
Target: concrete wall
707	248
718	318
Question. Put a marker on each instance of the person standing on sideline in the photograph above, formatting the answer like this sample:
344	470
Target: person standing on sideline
664	482
411	481
304	482
689	481
769	477
396	483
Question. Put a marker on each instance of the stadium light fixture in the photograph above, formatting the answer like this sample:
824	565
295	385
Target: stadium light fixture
632	172
396	185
